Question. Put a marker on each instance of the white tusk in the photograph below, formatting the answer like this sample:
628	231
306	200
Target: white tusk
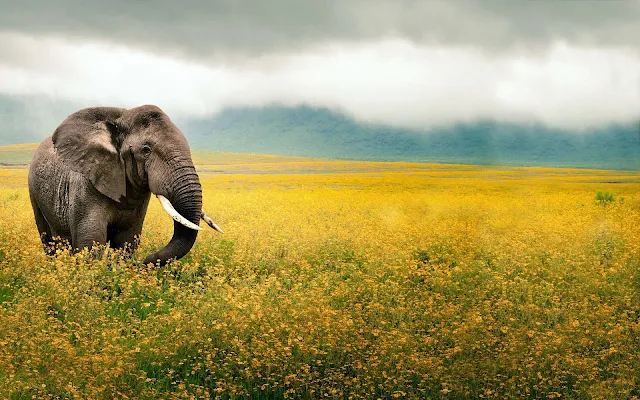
166	204
210	222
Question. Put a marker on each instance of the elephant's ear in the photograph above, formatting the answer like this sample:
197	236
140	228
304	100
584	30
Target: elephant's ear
88	142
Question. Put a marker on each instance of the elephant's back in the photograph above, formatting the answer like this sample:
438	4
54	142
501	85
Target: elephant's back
42	161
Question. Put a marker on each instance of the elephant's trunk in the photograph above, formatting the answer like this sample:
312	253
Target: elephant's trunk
185	195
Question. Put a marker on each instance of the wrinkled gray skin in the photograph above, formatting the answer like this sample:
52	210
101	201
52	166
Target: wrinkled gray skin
92	179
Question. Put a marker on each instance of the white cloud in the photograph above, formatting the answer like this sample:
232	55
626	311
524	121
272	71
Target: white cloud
389	81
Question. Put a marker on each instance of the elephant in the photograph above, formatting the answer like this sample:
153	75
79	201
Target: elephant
91	181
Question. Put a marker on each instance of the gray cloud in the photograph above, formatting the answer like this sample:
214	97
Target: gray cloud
569	64
226	28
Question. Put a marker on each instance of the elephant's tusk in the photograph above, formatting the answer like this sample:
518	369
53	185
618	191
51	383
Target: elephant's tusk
210	222
166	204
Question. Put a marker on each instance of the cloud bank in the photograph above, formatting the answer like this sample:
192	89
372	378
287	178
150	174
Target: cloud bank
219	28
409	63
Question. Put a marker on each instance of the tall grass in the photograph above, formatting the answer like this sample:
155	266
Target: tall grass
439	282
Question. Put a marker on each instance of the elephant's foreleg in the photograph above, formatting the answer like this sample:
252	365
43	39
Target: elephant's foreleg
126	233
127	240
89	231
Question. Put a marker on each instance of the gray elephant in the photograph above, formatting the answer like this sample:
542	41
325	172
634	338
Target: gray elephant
91	181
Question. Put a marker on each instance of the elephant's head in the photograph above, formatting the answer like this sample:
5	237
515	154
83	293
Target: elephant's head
128	153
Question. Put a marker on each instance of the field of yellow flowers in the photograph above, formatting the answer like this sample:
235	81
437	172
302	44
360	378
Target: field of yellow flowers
340	279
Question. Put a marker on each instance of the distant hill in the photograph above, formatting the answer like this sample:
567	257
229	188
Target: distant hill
313	132
319	132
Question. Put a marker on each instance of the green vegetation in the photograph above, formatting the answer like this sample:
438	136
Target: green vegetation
604	197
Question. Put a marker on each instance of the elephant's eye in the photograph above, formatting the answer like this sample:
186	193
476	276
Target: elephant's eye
146	149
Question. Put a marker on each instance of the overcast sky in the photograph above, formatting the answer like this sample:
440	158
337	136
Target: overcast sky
569	64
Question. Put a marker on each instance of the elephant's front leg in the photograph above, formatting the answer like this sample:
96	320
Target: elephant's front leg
126	240
88	229
125	233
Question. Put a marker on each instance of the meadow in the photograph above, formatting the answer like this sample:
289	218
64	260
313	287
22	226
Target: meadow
339	279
